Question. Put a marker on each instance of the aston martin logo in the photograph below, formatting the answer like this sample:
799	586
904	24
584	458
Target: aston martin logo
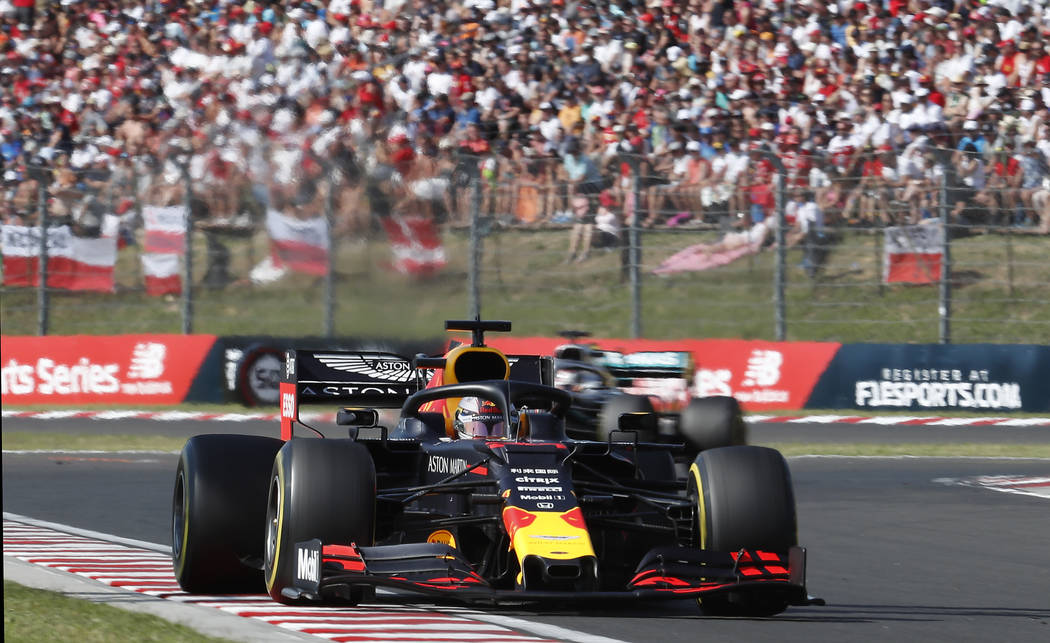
380	367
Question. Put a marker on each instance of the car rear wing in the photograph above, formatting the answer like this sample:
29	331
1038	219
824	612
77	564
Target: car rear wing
373	379
648	364
357	378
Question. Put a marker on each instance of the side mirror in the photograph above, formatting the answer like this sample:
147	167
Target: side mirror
357	417
642	423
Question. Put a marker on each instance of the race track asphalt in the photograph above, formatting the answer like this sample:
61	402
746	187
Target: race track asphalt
897	553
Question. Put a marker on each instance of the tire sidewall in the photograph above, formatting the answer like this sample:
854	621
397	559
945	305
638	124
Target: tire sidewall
745	499
319	488
217	508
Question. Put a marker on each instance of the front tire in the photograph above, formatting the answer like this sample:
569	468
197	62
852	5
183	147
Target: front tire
745	500
218	503
713	422
319	488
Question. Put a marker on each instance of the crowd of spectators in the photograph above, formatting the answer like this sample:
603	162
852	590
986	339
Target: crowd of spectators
564	111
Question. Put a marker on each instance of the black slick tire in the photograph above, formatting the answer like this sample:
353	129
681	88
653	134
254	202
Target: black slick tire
218	512
712	422
319	488
744	500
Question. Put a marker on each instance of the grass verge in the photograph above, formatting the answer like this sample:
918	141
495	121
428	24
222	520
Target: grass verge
32	615
28	441
927	449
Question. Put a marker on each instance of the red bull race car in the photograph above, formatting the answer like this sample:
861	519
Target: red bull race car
476	493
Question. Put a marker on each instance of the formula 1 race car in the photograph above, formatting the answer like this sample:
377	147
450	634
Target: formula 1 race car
605	384
476	493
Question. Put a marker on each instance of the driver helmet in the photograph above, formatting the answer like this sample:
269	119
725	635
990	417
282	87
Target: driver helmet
477	418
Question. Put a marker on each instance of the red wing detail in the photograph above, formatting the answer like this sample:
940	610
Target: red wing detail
346	556
341	550
666	580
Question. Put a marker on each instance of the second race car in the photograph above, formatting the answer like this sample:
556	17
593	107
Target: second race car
607	383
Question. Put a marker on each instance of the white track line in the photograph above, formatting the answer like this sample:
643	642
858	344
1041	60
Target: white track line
144	568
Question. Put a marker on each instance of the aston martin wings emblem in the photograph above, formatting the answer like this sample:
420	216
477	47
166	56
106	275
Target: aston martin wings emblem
388	368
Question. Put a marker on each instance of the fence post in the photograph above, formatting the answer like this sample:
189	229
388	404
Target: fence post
878	239
1010	257
43	299
944	304
635	259
779	273
329	277
187	258
474	269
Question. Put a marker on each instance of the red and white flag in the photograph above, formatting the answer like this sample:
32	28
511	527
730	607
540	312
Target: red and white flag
165	243
162	274
416	245
299	244
913	254
74	263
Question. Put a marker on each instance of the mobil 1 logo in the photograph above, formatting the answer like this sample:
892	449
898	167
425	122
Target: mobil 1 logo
308	566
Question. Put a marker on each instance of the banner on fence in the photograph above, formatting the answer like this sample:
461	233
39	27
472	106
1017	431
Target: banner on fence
120	369
912	254
965	377
761	375
74	263
299	244
163	247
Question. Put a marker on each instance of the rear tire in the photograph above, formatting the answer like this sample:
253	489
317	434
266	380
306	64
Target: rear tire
319	488
745	501
616	405
218	505
713	422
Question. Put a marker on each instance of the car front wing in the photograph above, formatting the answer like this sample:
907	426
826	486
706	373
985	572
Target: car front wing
348	573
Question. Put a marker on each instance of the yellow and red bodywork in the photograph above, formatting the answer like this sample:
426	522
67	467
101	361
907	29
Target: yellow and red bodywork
553	535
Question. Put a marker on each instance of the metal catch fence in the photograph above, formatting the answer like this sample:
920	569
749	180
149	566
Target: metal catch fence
202	242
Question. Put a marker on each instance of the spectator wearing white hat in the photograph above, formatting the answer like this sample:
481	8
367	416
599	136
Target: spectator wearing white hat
931	112
971	133
1028	121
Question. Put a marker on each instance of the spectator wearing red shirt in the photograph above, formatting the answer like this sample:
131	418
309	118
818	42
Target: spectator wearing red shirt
1003	190
760	183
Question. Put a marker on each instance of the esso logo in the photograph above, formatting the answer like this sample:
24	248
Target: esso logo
288	406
